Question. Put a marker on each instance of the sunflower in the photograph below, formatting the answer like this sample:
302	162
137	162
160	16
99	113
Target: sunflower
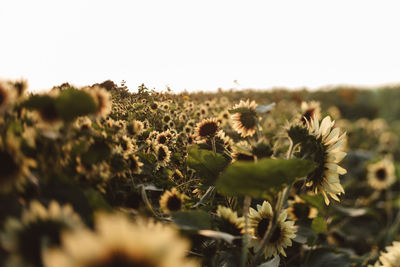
154	106
162	154
244	121
83	124
381	175
259	221
300	210
135	127
134	164
14	165
242	151
390	258
119	242
38	228
188	129
172	201
7	97
207	128
103	101
325	144
309	111
230	222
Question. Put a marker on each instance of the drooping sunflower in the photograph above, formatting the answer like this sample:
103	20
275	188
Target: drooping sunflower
119	242
230	222
207	128
172	201
381	175
309	110
38	228
299	210
244	121
325	143
282	236
390	258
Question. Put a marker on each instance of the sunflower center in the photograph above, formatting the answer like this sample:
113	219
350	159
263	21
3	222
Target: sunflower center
153	106
167	119
381	174
276	235
120	259
162	139
248	120
307	116
174	203
228	227
262	227
161	154
8	166
33	236
49	113
301	210
208	129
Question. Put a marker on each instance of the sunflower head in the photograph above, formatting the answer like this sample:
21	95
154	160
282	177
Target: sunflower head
103	101
309	111
135	127
324	147
172	201
244	120
117	241
381	175
39	227
281	236
229	221
162	154
154	106
300	210
207	128
134	164
14	166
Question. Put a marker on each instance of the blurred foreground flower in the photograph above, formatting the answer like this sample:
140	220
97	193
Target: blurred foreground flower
120	242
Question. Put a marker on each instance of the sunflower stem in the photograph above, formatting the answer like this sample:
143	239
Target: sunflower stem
214	147
246	207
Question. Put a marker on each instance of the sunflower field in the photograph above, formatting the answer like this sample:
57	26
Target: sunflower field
102	176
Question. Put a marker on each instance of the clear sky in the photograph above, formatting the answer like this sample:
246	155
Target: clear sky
203	44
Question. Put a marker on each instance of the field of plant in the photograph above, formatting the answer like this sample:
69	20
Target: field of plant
104	177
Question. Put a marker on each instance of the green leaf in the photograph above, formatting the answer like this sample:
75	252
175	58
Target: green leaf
319	225
192	220
261	179
206	163
305	235
237	110
72	103
326	258
315	200
96	200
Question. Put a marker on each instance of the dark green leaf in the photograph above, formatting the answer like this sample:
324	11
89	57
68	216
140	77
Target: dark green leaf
192	220
264	178
206	163
72	103
326	258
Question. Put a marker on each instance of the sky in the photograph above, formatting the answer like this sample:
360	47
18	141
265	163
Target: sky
200	45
